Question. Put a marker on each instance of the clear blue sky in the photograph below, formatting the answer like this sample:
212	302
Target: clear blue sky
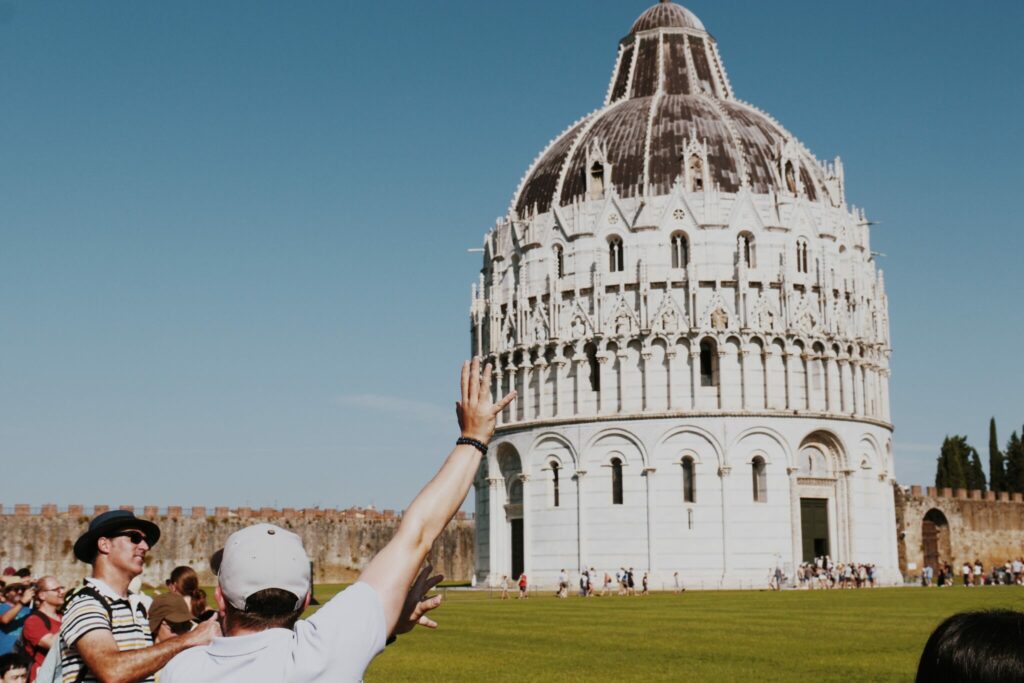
233	235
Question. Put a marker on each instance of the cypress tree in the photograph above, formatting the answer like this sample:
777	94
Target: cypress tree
996	460
953	464
1015	464
975	472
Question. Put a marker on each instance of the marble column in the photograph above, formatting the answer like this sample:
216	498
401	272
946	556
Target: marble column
795	521
581	519
723	476
652	563
496	512
524	480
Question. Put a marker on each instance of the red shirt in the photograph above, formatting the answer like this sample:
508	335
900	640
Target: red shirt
34	631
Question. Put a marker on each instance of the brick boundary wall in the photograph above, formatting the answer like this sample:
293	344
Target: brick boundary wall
980	525
340	542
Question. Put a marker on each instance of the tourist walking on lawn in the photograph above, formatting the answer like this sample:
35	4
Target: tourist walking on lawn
607	582
504	587
264	581
643	583
523	594
967	574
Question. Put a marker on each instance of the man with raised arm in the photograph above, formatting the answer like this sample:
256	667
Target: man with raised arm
263	577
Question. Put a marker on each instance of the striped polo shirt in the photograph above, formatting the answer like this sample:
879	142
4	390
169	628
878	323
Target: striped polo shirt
85	613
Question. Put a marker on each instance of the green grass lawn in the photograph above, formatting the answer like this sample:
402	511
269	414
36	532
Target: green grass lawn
865	635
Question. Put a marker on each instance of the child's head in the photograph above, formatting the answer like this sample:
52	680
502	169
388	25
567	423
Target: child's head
13	669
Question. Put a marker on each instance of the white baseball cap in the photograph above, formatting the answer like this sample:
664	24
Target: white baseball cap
259	557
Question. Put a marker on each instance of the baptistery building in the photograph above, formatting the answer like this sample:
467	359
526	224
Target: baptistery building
692	316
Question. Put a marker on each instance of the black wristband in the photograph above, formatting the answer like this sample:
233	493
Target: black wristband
466	441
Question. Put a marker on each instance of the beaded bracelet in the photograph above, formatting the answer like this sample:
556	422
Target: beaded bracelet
466	441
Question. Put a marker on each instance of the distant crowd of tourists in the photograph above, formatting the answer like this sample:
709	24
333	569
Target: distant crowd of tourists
1009	573
823	573
624	582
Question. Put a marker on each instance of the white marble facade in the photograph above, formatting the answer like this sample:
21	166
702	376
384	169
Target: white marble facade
717	351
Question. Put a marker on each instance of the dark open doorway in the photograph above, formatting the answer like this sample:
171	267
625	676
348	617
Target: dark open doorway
517	547
814	527
935	539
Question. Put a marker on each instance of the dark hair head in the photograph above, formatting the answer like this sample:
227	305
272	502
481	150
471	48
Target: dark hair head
265	609
11	662
185	582
975	647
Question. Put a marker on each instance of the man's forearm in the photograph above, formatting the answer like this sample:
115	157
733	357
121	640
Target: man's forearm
134	665
440	499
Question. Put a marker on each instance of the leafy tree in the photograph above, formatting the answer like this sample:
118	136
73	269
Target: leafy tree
1015	464
996	460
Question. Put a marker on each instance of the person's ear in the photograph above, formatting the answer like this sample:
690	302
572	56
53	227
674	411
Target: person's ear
309	597
103	545
219	597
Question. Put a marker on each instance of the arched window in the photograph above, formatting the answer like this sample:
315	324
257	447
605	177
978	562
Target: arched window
554	481
616	260
597	181
801	255
696	174
559	255
616	481
680	250
708	364
760	480
790	177
745	246
689	481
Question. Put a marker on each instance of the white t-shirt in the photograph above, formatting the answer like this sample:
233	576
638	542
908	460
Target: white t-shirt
335	644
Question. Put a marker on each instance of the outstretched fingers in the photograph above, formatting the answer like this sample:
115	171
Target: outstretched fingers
465	381
503	403
474	380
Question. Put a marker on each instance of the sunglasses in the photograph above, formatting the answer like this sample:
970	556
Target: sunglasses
136	537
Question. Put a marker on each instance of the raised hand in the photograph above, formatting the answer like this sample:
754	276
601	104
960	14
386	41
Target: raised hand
476	411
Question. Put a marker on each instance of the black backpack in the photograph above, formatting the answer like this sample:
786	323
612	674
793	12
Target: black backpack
22	647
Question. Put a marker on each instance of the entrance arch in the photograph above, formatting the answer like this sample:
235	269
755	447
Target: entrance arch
935	539
511	467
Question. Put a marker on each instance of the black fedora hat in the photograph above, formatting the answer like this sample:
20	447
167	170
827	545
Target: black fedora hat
107	523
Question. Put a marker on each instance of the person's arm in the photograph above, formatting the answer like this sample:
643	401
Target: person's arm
392	571
101	654
14	610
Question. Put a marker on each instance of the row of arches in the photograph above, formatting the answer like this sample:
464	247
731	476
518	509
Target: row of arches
819	453
709	372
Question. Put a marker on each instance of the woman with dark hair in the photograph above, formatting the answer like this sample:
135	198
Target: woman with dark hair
185	582
975	647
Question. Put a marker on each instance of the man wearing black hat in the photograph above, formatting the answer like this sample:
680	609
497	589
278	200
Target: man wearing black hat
105	633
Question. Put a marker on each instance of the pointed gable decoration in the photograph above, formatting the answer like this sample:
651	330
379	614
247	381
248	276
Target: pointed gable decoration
764	314
508	330
744	215
669	318
677	213
623	321
803	318
539	327
611	217
717	314
578	321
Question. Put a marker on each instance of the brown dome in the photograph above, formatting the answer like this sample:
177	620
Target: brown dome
669	91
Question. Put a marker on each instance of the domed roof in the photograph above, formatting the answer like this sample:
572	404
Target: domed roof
664	15
669	98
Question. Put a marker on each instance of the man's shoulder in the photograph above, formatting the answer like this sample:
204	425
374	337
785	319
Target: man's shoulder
184	662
